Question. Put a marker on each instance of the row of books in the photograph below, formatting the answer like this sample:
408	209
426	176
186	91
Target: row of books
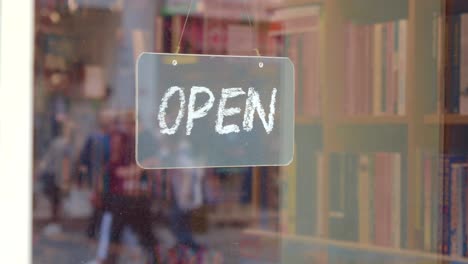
375	68
456	64
368	200
442	212
426	190
365	198
296	34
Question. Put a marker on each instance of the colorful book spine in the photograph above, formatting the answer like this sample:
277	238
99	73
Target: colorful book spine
464	211
447	224
371	198
351	198
389	69
336	194
442	184
384	69
458	210
320	194
359	87
388	201
433	91
461	217
435	198
369	69
418	190
396	200
351	70
463	78
454	210
379	198
402	51
364	199
427	203
395	58
454	67
377	69
439	34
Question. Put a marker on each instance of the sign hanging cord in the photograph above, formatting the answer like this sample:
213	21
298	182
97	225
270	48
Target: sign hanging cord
252	30
185	24
189	10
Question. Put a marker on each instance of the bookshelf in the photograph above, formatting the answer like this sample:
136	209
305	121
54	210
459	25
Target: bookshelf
422	128
307	198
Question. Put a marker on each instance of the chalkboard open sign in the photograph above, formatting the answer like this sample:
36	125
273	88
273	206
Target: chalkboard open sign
214	111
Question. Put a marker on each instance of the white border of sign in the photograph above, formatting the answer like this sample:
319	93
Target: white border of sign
16	65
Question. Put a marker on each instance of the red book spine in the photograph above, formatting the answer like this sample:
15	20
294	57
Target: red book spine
379	199
454	213
388	172
355	71
369	61
395	69
349	78
361	71
389	69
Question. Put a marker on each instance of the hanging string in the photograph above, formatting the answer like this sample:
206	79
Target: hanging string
252	33
183	28
189	10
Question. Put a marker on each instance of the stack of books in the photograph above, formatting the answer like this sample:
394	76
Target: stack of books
441	215
375	68
295	33
365	198
456	64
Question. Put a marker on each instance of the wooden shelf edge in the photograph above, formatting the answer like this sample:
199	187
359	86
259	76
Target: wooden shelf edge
397	119
434	119
355	246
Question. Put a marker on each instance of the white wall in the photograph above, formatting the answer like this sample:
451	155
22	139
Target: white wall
16	64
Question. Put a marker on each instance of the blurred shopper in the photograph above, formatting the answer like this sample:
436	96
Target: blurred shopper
54	172
187	196
92	165
127	202
186	186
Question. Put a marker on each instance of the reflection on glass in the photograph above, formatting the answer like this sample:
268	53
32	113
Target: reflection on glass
379	168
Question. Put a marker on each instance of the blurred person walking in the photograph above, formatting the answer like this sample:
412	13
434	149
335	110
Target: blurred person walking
93	161
128	200
54	172
187	196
